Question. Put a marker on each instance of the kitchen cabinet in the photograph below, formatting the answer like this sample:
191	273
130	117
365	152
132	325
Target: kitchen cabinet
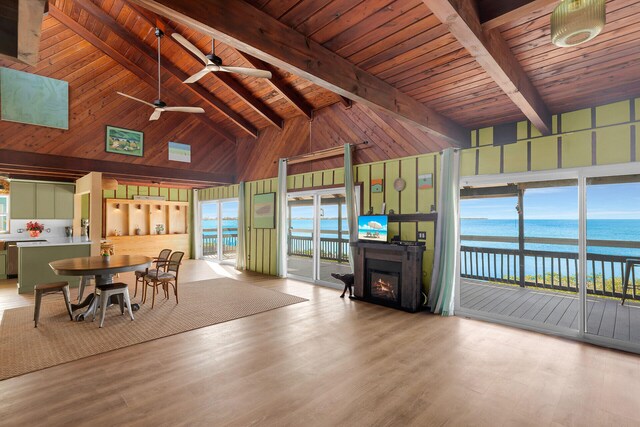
23	200
31	200
64	201
45	201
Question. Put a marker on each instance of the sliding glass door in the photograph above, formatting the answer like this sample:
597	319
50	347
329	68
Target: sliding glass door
318	235
519	253
219	228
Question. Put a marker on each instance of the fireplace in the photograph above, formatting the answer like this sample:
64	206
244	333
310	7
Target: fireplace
383	282
389	275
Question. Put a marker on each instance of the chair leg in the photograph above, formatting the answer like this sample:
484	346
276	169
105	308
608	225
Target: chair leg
103	309
128	302
67	300
36	311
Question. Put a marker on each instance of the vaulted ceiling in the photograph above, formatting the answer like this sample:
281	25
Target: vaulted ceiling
443	66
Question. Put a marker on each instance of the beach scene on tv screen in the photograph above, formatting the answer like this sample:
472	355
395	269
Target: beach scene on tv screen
371	228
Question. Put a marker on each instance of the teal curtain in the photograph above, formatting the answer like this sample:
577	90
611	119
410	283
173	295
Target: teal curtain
447	250
281	219
351	203
241	252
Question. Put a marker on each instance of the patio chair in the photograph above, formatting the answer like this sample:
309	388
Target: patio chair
164	278
162	256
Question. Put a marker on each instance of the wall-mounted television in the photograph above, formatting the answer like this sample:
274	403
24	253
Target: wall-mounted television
373	228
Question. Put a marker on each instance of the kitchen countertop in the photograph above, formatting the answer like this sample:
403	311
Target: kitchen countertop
56	241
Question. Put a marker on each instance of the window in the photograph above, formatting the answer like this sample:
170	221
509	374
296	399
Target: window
4	214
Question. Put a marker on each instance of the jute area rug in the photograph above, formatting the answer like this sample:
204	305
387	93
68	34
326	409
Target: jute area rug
57	340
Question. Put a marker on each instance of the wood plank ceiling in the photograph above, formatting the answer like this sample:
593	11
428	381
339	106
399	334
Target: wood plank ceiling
101	46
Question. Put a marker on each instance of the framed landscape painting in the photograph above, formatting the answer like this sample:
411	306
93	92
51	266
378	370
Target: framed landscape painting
124	141
264	210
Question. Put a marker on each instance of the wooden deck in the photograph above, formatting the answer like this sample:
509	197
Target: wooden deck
606	317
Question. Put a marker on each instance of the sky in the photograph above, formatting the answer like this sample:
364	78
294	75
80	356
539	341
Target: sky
612	201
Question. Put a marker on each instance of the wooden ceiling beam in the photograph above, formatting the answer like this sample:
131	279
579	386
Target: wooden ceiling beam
127	64
20	26
246	28
43	162
277	83
167	66
232	84
492	53
505	12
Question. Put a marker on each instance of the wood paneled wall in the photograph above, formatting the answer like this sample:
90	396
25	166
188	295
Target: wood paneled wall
93	80
332	126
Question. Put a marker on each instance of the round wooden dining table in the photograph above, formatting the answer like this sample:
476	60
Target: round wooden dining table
103	269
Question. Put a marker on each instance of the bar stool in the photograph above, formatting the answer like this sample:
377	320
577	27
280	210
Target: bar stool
119	290
51	288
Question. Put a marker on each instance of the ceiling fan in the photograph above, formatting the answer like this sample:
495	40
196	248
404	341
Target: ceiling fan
159	105
213	63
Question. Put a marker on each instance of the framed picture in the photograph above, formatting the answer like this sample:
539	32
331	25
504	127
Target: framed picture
179	152
34	100
425	181
264	210
124	141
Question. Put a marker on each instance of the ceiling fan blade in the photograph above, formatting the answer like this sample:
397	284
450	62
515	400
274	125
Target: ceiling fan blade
156	114
197	76
187	44
253	72
185	109
136	99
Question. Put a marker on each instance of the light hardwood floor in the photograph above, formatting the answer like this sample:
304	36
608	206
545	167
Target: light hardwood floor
331	361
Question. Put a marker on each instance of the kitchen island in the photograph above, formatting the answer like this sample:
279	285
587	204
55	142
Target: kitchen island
34	258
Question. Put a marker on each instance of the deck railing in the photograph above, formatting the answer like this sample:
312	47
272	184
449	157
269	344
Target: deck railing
210	242
331	248
549	269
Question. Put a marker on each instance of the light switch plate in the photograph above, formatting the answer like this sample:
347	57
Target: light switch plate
422	235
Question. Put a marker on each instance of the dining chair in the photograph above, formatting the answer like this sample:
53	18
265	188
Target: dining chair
162	256
164	278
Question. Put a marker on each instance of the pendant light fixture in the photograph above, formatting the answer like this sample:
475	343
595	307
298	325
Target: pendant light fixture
577	21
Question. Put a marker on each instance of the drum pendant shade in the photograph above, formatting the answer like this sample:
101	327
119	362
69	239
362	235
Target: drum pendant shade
577	21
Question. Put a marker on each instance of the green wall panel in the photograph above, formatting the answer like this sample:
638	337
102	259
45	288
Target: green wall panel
609	137
489	162
576	120
544	153
576	149
468	162
515	157
610	114
485	136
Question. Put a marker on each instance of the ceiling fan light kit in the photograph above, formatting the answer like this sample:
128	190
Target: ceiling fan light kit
574	22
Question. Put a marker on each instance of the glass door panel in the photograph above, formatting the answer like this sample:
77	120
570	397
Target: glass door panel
300	237
519	253
229	229
613	258
334	237
209	226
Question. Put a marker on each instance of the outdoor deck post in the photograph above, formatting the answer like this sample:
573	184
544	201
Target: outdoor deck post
339	231
521	235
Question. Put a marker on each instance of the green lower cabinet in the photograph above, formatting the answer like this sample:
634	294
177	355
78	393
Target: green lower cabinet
33	265
3	265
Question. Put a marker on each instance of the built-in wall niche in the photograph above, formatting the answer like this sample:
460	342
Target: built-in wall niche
125	217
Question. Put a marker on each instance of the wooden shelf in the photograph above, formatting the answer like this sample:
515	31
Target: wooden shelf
124	216
413	217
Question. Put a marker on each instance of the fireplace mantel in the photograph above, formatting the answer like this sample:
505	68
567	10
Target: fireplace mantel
402	260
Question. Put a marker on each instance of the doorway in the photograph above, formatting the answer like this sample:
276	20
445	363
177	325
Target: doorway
317	236
219	230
